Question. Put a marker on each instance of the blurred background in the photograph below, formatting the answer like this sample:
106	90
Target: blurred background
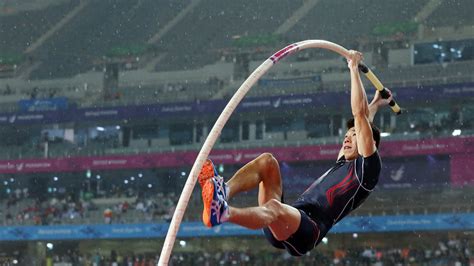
105	103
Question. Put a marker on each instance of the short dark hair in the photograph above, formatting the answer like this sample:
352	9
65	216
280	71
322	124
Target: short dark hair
375	130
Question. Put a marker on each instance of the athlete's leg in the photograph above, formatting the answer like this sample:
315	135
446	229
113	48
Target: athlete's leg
282	219
264	172
284	225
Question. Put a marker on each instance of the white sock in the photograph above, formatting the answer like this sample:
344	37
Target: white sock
227	190
226	214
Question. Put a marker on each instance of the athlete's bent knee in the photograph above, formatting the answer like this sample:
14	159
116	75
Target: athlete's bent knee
267	157
274	208
267	160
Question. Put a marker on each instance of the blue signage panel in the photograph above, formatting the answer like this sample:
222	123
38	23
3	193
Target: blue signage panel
43	104
406	223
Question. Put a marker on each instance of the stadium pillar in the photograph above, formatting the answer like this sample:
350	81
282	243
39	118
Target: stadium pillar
126	135
111	81
241	65
252	130
35	253
380	55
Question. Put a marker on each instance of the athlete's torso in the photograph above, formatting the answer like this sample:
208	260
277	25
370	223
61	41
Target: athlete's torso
340	190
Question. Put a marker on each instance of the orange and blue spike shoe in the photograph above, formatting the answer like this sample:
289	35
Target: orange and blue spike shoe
208	171
214	196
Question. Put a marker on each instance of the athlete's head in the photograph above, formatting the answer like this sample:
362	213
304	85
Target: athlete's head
350	141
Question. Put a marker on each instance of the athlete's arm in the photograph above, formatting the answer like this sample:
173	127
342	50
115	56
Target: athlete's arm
360	108
378	102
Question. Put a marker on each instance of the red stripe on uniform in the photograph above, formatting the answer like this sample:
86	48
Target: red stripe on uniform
345	185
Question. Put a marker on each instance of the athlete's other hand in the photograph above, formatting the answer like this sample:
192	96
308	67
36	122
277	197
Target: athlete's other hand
353	59
378	101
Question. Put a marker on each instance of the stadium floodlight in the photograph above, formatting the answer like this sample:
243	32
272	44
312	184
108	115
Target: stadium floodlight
456	132
50	246
384	134
100	128
221	168
325	240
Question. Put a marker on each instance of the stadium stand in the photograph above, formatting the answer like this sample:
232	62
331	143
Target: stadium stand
451	13
211	26
341	27
19	30
119	23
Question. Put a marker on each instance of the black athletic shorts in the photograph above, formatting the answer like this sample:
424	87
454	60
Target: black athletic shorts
308	235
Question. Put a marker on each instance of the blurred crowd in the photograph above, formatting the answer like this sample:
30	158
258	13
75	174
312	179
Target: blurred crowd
46	212
66	209
37	92
454	252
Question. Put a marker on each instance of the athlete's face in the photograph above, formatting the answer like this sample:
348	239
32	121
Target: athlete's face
350	144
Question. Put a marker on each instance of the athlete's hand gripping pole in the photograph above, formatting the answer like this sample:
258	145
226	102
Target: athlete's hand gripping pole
379	86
